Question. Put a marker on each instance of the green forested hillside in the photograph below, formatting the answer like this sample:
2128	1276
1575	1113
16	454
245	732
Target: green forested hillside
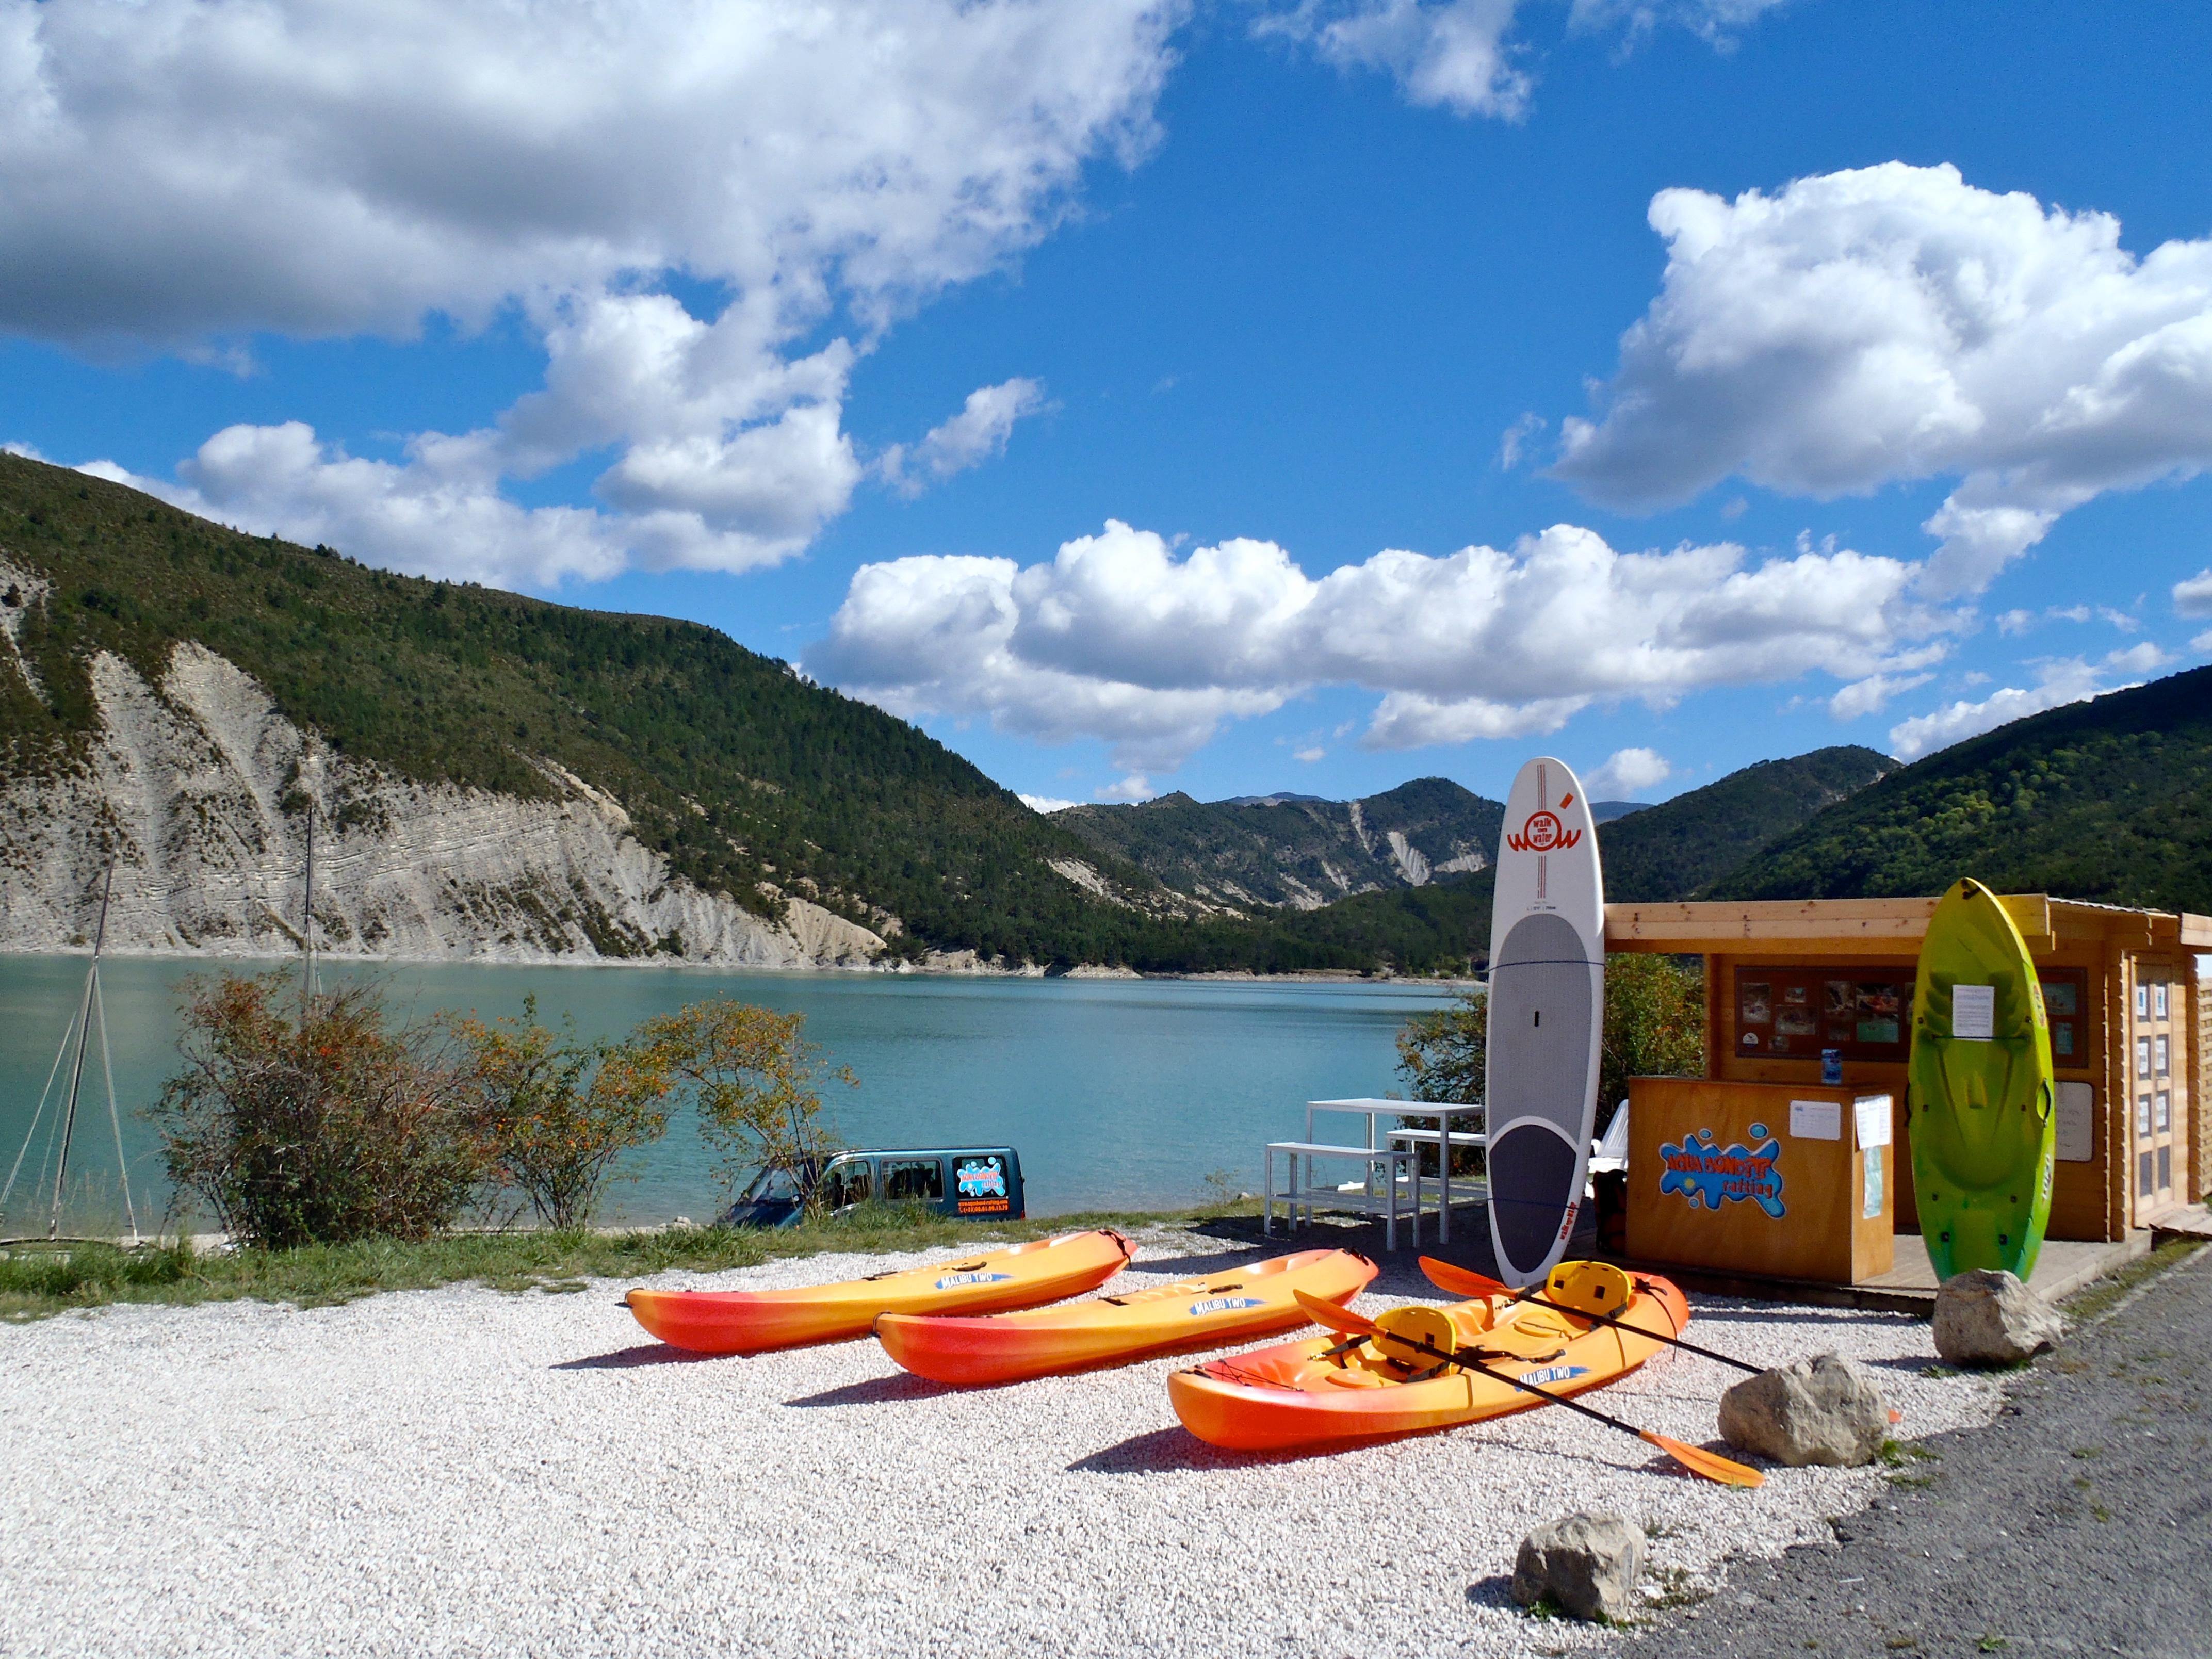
2110	799
1297	850
1673	850
737	769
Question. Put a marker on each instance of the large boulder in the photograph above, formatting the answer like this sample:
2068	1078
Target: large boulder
1988	1318
1826	1410
1586	1566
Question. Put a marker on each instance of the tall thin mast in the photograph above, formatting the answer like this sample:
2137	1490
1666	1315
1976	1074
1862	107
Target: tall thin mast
83	1036
307	928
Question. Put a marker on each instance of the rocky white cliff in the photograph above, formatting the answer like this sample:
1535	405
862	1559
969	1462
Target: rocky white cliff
199	784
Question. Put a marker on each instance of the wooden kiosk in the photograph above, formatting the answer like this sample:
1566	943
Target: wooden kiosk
1763	1168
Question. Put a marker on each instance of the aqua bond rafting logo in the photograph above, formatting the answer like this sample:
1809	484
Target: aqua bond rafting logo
1555	1374
980	1178
1709	1175
953	1281
1214	1305
1543	833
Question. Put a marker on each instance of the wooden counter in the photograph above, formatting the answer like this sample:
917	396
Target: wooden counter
1761	1178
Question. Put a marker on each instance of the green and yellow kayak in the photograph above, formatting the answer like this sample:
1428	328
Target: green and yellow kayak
1984	1137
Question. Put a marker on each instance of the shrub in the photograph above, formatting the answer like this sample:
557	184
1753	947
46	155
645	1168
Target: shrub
323	1129
556	1114
755	1081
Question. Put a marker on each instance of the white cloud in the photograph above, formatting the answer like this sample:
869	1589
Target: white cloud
1045	802
1136	787
1449	54
180	175
2068	679
978	433
1872	695
1896	323
1310	755
1118	637
2192	597
1626	775
1514	441
1717	21
2202	641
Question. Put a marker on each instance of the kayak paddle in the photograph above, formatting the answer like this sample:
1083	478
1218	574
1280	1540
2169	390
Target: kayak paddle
1461	1282
1695	1459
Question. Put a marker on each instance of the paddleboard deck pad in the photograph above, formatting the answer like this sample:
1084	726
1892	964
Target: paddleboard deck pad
1984	1137
1547	1019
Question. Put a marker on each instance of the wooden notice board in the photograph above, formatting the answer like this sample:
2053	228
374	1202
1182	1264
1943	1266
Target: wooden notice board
1787	1180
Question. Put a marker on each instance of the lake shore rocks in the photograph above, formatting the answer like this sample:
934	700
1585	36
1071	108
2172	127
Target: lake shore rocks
1988	1318
1827	1410
1586	1564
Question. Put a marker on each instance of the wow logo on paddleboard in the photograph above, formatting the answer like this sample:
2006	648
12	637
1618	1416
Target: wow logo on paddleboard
1709	1176
1542	832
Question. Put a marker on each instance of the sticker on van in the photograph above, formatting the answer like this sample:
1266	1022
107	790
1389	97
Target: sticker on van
982	1178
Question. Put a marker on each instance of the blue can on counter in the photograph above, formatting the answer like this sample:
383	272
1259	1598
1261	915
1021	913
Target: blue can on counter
1831	1067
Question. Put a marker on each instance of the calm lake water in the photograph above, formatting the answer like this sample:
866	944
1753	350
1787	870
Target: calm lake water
1119	1093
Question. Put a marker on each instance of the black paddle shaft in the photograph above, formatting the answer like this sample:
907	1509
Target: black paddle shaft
1469	1358
1614	1321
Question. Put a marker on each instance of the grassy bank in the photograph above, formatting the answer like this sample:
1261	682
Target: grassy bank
37	1282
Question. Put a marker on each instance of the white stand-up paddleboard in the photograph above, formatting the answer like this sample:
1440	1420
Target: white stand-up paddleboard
1547	1019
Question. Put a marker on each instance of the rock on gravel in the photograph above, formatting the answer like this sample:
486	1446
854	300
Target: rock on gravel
464	1471
1988	1318
1827	1410
1586	1566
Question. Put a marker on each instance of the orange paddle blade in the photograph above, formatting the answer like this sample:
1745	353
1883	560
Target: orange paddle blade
1698	1460
1328	1316
1458	1281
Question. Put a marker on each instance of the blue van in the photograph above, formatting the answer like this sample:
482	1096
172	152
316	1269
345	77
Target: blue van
970	1181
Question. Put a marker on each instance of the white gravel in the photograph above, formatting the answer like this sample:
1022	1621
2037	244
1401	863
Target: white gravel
463	1471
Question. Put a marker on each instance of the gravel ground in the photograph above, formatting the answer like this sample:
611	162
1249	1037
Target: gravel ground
463	1471
2082	1524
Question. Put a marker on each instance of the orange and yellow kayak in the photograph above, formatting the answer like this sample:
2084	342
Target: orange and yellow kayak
745	1321
1326	1388
1227	1307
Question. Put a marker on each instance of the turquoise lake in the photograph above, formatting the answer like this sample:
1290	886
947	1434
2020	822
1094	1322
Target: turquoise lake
1118	1093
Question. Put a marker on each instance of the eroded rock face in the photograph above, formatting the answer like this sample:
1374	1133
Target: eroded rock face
1586	1564
1988	1318
1827	1410
191	783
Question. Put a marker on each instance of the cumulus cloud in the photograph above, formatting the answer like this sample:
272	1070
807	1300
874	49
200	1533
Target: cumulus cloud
978	433
1896	323
2192	597
180	174
1045	802
1134	787
1121	638
1717	21
2068	679
1872	694
1627	773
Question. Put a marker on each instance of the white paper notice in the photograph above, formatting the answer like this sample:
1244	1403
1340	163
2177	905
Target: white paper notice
1872	1208
1974	1011
1816	1120
2076	1112
1874	1112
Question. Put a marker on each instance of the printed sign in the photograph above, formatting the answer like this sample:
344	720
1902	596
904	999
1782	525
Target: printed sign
982	1178
1876	1116
1871	1210
1708	1175
2076	1112
984	1207
1816	1120
1974	1012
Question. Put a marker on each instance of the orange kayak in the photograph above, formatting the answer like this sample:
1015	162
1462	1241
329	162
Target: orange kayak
1225	1308
745	1321
1328	1389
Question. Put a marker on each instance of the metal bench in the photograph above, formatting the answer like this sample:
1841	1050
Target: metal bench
1392	1164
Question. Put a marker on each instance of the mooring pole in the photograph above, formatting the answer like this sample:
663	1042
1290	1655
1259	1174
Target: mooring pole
307	928
83	1037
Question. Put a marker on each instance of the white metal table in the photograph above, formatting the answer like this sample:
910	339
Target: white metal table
1444	1112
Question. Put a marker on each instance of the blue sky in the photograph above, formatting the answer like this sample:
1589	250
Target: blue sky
854	340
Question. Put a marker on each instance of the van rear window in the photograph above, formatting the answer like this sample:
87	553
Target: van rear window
981	1180
846	1183
919	1179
